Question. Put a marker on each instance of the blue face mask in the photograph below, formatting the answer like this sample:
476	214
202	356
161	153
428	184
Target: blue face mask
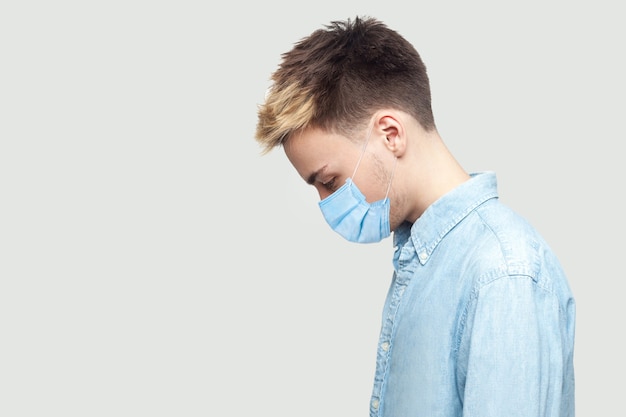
350	215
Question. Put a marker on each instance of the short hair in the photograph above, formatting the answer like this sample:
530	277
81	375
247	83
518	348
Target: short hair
337	77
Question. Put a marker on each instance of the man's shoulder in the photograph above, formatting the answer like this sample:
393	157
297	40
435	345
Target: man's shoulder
515	247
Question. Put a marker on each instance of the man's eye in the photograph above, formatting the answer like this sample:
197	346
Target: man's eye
330	184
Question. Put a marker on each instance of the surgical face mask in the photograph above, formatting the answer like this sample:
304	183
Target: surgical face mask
350	215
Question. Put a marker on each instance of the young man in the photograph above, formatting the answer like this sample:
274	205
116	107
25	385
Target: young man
479	319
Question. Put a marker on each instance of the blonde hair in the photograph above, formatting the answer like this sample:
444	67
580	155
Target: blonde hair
286	110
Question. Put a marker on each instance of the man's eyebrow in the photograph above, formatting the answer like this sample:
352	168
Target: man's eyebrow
311	178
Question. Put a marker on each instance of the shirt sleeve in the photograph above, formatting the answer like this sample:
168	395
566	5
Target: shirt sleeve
511	353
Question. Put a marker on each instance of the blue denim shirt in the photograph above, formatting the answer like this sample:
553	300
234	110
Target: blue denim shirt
479	318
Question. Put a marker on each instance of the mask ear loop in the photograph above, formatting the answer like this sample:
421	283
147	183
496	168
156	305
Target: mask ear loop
362	152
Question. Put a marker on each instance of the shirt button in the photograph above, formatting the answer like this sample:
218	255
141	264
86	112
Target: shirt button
385	346
375	403
423	256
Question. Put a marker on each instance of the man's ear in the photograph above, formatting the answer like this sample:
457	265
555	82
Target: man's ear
389	124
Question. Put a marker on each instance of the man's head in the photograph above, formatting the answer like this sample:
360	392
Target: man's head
351	106
338	77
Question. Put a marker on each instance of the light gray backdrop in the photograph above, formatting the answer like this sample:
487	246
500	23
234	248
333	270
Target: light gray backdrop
152	263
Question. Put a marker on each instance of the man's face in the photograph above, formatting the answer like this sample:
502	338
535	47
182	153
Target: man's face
326	160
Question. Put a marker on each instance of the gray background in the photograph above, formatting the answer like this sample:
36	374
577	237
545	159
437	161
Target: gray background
153	263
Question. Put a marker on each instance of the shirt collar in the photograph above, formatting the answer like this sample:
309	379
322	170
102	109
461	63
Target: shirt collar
445	213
